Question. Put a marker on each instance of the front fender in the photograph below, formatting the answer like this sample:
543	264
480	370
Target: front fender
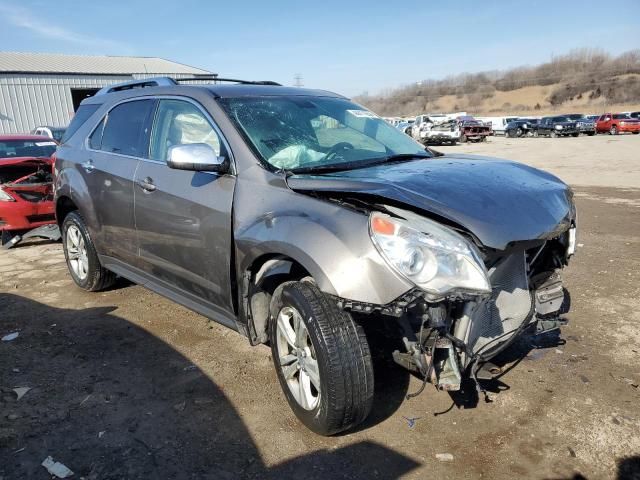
330	241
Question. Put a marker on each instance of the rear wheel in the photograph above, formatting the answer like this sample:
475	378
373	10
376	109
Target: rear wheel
519	132
576	134
321	357
80	254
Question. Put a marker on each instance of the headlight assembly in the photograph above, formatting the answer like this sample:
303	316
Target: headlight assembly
434	258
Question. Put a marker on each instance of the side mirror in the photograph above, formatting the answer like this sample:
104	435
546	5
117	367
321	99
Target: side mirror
198	157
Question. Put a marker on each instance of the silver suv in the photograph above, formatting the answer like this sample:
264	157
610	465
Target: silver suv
293	216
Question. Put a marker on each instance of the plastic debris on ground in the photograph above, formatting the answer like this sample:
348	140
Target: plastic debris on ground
56	469
411	422
444	457
21	392
10	337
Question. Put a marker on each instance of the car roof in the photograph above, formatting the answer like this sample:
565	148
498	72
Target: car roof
42	138
218	90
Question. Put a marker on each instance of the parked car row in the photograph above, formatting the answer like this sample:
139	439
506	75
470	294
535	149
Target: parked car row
574	124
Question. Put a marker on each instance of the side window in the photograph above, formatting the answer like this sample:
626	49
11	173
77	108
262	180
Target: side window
178	123
95	140
125	130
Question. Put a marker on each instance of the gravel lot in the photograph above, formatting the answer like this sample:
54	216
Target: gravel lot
125	384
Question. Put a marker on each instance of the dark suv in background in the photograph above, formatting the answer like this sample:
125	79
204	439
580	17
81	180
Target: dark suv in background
557	127
294	215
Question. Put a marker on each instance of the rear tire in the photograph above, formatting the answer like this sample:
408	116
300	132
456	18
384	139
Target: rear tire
81	256
327	348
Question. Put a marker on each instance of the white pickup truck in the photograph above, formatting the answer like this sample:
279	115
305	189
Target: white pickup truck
435	130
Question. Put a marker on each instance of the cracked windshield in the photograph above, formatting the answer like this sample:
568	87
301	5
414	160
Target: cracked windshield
298	133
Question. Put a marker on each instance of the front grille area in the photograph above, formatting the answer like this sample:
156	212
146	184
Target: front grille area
510	304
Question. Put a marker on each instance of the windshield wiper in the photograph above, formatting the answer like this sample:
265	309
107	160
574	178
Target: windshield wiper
337	167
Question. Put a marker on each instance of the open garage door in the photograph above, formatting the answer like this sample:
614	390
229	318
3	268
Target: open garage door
79	94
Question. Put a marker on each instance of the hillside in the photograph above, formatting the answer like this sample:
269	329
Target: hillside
584	81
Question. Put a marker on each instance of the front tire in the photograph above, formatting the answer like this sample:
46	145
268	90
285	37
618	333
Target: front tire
613	131
81	256
321	357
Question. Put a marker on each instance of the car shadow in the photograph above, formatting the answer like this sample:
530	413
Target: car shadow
110	400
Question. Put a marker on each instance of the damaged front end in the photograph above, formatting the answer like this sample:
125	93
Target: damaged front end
452	328
26	194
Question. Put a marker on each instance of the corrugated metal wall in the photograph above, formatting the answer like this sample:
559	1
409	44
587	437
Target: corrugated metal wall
28	101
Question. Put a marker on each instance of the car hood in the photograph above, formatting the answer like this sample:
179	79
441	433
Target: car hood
498	201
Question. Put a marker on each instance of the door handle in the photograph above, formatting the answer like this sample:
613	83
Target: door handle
147	184
88	166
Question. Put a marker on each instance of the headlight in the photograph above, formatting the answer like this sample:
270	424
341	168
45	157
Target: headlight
558	127
435	258
5	197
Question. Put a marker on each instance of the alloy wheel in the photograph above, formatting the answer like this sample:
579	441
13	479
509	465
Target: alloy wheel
297	358
77	252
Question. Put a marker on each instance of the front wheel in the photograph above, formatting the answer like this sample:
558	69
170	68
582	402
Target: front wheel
613	130
552	134
81	256
321	357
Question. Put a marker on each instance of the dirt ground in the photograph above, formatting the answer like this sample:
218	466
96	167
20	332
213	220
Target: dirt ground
125	384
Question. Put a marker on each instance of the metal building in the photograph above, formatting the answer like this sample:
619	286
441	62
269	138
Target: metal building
46	89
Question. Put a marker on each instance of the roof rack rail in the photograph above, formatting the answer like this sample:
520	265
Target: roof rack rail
141	83
216	79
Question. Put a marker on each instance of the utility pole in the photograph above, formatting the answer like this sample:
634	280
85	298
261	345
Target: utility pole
298	80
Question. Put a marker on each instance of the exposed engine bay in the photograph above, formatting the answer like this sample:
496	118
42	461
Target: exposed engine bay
31	180
446	339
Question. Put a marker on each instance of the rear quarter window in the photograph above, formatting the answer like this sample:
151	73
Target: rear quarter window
81	116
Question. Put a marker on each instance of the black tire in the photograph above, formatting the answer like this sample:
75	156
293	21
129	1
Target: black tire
343	357
591	134
635	133
97	277
575	134
519	132
613	130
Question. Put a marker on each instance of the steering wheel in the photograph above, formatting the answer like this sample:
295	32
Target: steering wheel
337	148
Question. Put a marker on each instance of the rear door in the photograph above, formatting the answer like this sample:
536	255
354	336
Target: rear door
115	148
183	218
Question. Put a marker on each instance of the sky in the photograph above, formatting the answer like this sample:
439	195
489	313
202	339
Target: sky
349	47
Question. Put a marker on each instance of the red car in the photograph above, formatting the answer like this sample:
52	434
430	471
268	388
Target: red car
615	123
26	184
